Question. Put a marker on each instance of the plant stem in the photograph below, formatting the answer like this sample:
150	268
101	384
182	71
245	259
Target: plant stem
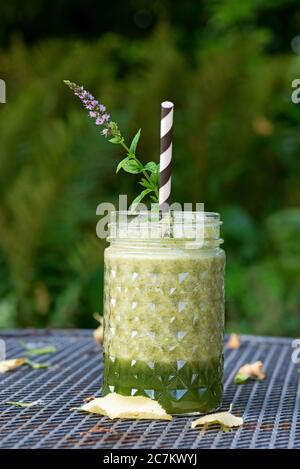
143	172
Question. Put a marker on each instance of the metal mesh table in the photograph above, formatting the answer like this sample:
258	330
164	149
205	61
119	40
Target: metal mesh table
270	408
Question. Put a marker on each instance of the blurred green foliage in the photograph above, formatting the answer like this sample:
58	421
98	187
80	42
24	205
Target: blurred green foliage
236	147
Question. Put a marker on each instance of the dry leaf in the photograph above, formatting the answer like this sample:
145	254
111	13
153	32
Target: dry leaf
37	366
99	332
250	371
8	365
132	407
234	341
226	419
89	398
23	404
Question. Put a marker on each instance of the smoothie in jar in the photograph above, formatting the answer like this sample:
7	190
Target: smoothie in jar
164	319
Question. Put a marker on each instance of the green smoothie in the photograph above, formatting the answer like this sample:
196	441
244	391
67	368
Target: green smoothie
164	320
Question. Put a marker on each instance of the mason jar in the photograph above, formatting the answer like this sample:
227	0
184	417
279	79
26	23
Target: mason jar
164	309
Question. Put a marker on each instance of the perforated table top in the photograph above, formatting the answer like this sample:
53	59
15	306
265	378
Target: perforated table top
270	408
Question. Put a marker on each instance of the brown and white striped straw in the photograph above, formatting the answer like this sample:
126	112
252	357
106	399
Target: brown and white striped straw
166	135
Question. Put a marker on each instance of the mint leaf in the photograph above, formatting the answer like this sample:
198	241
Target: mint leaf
121	164
154	178
151	166
115	140
143	182
154	170
132	166
139	198
134	142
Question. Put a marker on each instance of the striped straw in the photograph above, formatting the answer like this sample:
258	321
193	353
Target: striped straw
166	134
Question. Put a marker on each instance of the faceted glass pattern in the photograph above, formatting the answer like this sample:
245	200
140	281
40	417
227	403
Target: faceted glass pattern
164	320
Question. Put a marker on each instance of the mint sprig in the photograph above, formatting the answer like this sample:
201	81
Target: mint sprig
131	163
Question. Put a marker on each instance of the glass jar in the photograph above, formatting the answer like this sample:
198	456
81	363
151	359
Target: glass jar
164	310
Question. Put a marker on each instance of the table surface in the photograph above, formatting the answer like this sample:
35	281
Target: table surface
270	408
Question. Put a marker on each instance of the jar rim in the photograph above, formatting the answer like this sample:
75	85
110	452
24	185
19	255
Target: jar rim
180	225
147	212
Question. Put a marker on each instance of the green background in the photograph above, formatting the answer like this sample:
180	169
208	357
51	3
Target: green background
228	66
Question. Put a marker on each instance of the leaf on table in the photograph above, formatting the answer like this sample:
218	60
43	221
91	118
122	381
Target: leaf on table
99	332
9	365
226	419
131	407
234	341
12	364
89	398
22	404
32	350
37	366
42	350
250	371
241	378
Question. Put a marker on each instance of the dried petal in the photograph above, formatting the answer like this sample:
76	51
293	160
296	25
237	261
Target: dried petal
234	341
132	407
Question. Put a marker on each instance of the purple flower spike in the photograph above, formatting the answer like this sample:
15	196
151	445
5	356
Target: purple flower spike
96	110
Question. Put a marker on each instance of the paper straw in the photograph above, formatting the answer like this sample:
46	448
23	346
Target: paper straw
166	135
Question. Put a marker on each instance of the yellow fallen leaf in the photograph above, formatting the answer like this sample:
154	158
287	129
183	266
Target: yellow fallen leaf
131	407
234	341
99	332
250	370
8	365
225	419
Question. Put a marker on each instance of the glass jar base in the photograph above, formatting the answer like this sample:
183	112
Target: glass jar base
195	388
